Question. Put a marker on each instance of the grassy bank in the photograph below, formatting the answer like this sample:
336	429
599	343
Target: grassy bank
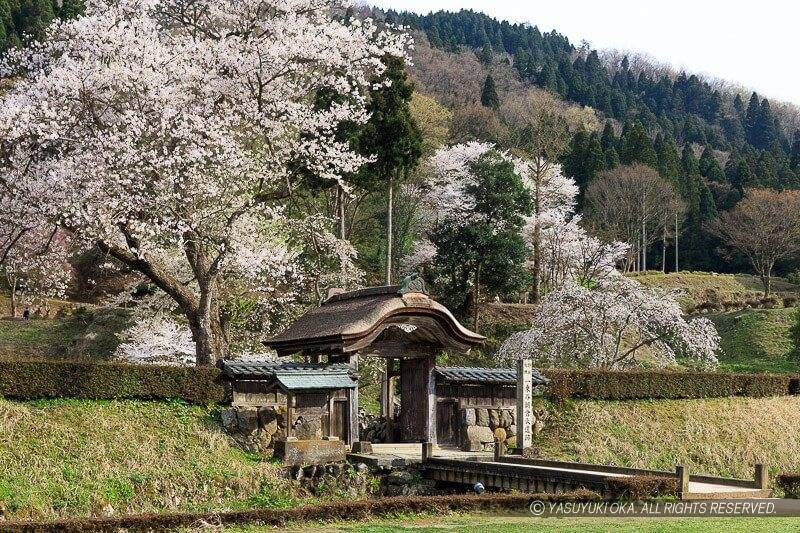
722	436
756	340
705	287
68	458
87	334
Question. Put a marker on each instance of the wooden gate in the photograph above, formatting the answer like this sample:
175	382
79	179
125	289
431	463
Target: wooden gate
414	397
447	422
339	419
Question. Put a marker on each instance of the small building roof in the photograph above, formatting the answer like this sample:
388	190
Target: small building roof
476	375
291	375
295	381
351	321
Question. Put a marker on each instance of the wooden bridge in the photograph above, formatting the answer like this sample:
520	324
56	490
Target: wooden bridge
538	475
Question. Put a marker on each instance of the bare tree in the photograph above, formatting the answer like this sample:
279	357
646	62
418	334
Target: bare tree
764	227
632	204
540	135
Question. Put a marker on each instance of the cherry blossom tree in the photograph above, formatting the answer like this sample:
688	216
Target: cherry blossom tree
34	261
616	325
168	133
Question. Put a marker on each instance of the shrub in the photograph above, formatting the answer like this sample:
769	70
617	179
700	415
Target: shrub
794	333
28	380
639	488
662	384
790	484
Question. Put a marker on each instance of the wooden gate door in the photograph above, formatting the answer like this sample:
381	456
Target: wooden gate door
414	409
447	422
339	420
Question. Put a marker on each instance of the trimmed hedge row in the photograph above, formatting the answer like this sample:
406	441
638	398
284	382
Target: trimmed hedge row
660	384
30	380
639	488
790	484
346	510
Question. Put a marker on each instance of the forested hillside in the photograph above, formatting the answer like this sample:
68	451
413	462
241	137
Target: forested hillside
709	141
683	107
21	20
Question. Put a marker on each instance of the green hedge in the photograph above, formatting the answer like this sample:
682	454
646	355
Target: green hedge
30	380
661	384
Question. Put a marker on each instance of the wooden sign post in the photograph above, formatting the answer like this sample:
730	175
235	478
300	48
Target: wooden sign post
524	404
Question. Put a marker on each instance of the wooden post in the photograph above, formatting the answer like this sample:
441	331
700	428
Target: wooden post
524	404
499	449
352	416
430	365
682	473
761	476
427	450
289	414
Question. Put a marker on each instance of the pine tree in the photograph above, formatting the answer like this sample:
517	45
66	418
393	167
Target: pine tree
608	139
611	158
691	179
752	120
794	161
489	97
485	55
709	166
669	162
394	138
637	147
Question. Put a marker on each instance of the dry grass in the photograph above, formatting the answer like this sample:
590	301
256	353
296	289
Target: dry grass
69	458
705	287
724	436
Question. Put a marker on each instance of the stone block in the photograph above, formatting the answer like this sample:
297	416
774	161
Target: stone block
482	417
500	434
494	418
247	420
267	415
307	428
229	421
298	452
511	430
511	442
468	417
362	447
475	437
505	418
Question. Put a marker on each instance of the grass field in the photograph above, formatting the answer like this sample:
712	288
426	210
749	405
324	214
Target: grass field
704	287
719	436
481	523
64	458
90	334
756	340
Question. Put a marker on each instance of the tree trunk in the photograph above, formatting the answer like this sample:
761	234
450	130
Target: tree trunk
476	298
676	242
342	232
644	245
664	250
537	238
766	281
208	334
389	230
13	288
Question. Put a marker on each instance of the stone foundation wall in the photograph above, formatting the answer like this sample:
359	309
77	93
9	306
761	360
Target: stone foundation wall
481	426
255	429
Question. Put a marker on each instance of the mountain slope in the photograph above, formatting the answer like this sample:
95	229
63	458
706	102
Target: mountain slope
682	106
